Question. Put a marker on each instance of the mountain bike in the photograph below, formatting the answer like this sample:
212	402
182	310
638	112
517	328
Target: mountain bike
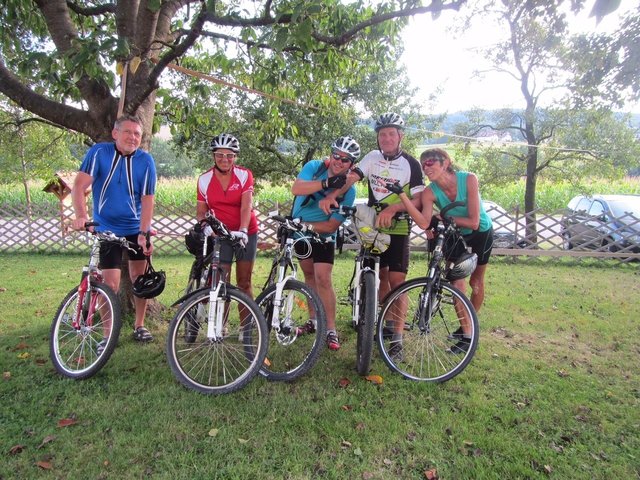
85	329
294	311
428	329
217	341
363	290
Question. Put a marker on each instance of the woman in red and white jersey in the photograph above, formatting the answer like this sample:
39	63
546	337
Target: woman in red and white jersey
226	190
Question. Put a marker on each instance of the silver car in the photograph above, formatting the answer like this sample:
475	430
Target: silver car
609	223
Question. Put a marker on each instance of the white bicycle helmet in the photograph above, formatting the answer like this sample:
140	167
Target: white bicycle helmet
389	119
225	140
462	267
346	145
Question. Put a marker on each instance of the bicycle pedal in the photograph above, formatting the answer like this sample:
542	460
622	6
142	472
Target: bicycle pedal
345	301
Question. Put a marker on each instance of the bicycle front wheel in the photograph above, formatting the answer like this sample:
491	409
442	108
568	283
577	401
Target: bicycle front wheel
83	338
295	343
219	364
366	322
423	347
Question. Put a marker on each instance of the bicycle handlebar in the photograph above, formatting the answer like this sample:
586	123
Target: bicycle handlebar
452	205
297	225
220	229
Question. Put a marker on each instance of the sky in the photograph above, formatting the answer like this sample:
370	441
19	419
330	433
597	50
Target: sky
435	58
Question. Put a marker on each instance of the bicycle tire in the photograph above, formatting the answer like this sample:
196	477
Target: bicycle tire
217	367
290	355
431	355
366	323
74	352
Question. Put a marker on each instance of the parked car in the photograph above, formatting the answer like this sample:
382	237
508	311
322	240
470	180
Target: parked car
602	222
507	233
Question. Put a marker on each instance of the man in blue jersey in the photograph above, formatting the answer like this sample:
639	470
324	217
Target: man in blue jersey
122	178
316	179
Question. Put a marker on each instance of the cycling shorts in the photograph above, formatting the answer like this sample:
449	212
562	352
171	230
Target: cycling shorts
111	252
247	254
480	243
320	252
396	257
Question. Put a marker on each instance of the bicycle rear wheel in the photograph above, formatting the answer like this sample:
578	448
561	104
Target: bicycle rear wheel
435	352
81	351
366	322
294	349
223	365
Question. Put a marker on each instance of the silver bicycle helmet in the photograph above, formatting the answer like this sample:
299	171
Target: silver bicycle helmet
462	267
225	140
389	119
346	145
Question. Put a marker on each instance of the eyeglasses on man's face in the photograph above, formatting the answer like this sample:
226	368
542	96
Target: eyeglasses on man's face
337	156
222	156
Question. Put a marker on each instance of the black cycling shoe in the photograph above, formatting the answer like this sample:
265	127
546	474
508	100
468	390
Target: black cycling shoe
395	352
457	335
461	347
387	333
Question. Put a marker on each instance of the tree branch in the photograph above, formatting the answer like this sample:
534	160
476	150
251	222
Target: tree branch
57	113
174	53
92	11
266	19
248	43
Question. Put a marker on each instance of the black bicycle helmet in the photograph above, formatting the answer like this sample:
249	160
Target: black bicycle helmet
225	140
462	267
150	284
346	145
389	119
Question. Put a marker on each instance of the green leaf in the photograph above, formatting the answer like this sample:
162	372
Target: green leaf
154	5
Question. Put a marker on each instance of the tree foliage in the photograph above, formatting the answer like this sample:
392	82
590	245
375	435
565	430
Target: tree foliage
558	139
30	149
606	66
63	59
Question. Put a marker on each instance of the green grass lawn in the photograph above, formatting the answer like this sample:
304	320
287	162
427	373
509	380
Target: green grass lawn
553	392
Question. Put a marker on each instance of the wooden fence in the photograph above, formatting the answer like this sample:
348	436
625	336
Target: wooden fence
42	229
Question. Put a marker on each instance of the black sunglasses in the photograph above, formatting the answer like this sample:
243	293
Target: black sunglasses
342	159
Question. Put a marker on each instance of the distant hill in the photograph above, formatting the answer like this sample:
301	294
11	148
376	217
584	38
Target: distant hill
453	119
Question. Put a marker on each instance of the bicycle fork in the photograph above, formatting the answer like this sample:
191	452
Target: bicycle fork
216	314
356	300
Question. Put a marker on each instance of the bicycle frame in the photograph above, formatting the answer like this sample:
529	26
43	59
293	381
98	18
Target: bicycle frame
213	277
435	272
283	263
86	304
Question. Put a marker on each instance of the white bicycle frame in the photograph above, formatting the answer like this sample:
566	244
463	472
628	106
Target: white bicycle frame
276	324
